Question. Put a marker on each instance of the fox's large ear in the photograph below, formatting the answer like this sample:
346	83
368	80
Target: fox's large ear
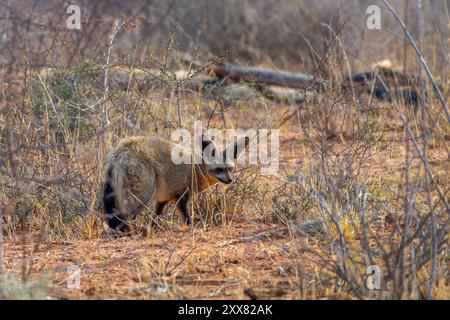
208	147
233	151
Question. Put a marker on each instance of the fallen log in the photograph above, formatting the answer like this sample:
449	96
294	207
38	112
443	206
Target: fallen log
237	92
261	76
256	75
285	95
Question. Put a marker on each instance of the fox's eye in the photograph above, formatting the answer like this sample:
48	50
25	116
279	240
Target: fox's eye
219	170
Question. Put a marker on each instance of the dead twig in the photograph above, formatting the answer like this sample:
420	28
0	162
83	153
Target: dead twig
95	266
263	235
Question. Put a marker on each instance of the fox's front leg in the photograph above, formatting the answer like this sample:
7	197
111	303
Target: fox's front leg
182	205
158	209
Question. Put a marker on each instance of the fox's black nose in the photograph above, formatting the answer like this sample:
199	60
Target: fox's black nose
226	181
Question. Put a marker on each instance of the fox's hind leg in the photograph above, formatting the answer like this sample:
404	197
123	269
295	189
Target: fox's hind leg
139	200
128	189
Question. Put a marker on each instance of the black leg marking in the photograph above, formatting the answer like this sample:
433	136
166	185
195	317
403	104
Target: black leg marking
182	205
159	207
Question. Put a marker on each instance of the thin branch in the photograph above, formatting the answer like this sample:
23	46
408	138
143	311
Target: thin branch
105	120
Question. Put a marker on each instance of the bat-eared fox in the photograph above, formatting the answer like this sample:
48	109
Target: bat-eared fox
140	170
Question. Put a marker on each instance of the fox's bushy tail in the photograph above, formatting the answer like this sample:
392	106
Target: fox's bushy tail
112	197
